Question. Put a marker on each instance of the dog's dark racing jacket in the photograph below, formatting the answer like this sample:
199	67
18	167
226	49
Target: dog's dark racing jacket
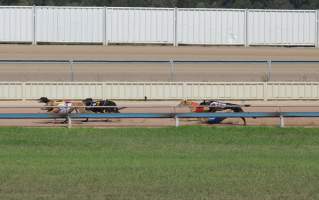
90	102
215	106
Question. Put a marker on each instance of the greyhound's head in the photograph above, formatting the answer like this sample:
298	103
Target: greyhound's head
44	100
185	102
88	101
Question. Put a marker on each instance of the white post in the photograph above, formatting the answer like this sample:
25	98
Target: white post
173	71
71	71
246	29
105	42
265	87
317	29
269	70
34	39
282	121
69	122
175	27
176	122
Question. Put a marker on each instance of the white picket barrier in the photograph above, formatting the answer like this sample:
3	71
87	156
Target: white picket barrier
161	90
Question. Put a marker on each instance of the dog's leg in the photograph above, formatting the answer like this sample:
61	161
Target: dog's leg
244	119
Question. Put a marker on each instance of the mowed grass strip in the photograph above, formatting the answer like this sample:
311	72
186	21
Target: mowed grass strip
159	163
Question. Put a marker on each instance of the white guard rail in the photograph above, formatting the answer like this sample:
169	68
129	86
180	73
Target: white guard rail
161	90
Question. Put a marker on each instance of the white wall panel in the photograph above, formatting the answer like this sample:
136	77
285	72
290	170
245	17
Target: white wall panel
225	90
161	90
123	90
211	26
159	25
69	24
11	90
281	27
16	24
297	90
165	90
140	25
62	90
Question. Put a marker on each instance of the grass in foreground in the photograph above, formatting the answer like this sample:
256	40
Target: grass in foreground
164	163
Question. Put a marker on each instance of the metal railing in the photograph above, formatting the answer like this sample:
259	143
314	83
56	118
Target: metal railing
168	115
172	62
176	116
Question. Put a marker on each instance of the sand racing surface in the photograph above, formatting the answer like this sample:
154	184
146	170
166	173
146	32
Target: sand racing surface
157	72
165	107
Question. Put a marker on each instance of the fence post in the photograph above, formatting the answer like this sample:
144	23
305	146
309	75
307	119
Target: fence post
175	27
71	71
173	70
69	121
265	91
282	121
105	40
246	29
317	29
176	121
34	39
269	65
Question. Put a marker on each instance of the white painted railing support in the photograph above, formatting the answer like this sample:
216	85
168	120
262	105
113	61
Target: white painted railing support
269	71
176	122
317	29
69	122
173	70
265	91
246	30
71	71
105	38
175	27
34	25
282	121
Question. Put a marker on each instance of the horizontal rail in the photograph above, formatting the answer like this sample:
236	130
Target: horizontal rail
30	116
157	115
248	114
54	61
84	115
172	106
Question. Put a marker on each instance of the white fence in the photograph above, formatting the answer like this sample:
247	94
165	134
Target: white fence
162	90
107	25
269	27
207	26
16	24
69	24
139	25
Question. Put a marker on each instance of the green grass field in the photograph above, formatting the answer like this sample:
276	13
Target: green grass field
159	163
